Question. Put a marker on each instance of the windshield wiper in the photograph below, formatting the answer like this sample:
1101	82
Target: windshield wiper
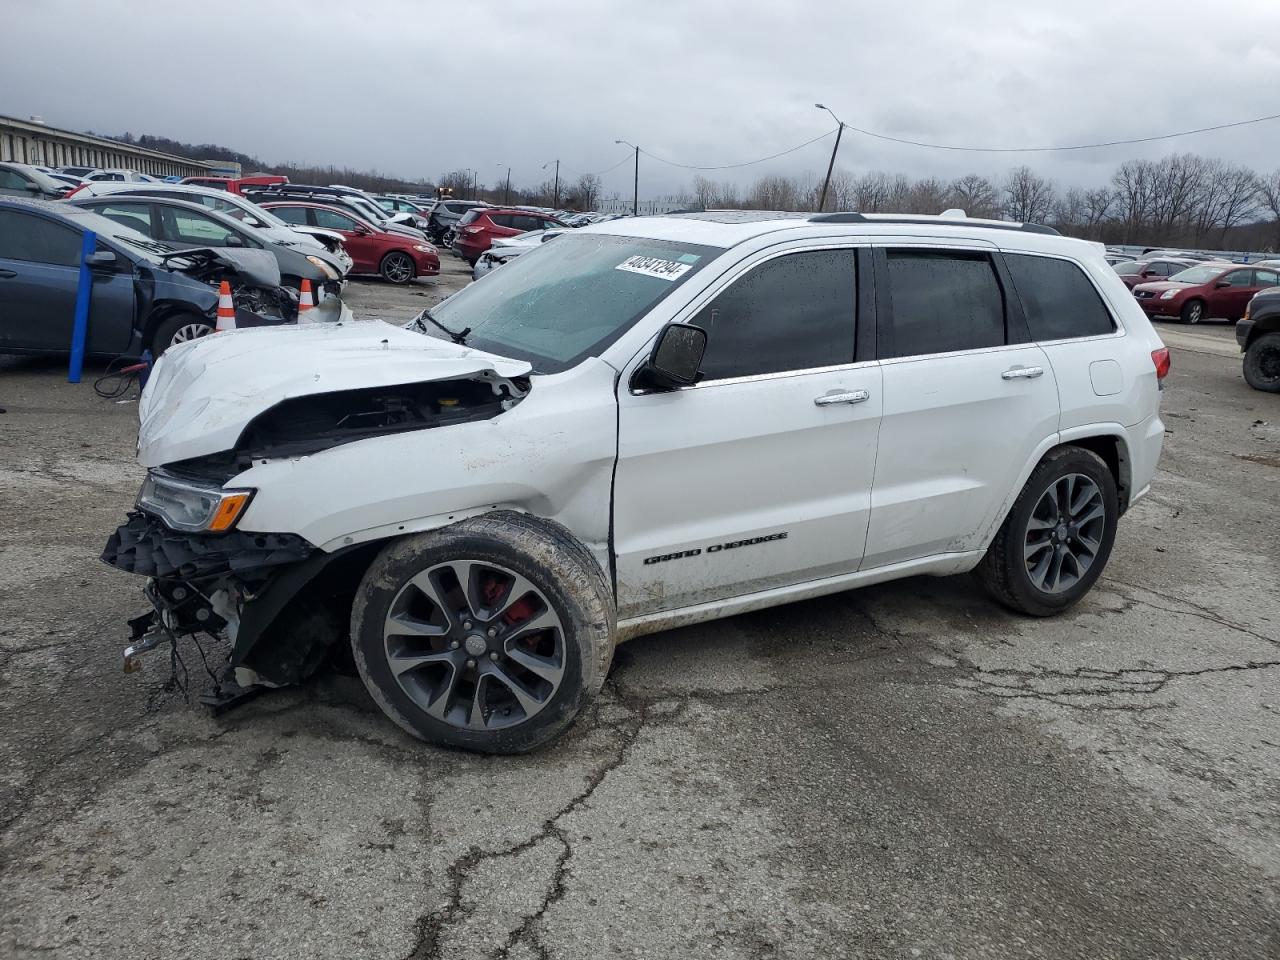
454	335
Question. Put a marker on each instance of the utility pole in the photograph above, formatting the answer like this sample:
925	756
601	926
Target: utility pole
635	201
555	200
506	194
822	202
475	184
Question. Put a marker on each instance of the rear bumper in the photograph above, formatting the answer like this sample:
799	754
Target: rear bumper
1145	441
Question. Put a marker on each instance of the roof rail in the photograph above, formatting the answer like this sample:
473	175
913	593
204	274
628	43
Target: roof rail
921	221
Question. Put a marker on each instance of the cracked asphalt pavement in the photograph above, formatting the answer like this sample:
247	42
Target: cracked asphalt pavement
901	771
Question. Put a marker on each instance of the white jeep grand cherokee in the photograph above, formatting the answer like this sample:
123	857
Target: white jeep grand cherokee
650	422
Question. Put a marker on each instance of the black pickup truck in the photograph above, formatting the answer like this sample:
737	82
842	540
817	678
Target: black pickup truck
1258	334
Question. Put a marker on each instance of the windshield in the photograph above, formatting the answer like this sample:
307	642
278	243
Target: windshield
565	301
1196	275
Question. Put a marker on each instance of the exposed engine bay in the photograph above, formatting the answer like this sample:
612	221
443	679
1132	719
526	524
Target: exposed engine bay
254	276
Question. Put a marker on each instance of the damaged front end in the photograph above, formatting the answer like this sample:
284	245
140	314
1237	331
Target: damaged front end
253	275
215	419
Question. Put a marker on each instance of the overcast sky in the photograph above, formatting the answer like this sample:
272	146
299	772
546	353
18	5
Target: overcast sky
418	88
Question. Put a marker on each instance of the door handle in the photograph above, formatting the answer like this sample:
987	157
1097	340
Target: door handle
7	274
853	396
1023	373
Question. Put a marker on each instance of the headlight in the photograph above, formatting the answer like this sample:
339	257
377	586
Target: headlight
1168	294
192	507
329	272
424	248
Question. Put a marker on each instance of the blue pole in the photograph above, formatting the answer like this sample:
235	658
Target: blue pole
80	332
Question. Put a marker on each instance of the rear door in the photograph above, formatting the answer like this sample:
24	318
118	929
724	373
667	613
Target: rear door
39	276
967	399
758	476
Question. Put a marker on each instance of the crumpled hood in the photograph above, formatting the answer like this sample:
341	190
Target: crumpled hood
203	393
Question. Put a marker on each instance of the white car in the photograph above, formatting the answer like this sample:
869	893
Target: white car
648	423
504	249
310	241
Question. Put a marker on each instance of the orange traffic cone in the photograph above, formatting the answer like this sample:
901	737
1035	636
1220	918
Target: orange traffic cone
226	309
305	303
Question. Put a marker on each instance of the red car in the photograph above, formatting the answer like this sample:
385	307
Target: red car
396	257
1134	272
1206	291
235	186
478	228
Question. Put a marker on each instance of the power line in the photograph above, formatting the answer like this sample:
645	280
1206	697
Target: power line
731	166
1077	146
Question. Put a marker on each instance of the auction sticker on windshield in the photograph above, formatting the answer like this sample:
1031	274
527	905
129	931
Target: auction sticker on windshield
654	267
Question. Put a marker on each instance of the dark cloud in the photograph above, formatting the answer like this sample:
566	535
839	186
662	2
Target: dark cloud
418	88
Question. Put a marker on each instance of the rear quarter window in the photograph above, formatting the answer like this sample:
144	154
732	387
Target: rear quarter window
1059	300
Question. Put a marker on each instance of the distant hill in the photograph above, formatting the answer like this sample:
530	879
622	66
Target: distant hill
370	180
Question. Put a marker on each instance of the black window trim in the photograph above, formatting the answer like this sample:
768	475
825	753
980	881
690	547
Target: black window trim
864	294
1016	332
1116	323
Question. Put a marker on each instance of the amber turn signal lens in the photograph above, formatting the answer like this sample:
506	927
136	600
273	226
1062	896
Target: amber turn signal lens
228	512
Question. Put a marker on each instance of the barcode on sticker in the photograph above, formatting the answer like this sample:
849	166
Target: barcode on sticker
653	267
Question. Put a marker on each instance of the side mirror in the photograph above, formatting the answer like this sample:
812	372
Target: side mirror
101	260
32	187
234	240
362	230
675	359
1221	283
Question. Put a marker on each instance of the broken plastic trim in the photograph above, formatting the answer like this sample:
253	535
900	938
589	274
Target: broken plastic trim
144	545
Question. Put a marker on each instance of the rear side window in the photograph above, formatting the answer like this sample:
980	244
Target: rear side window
36	240
296	215
1058	299
795	312
1266	278
943	300
332	220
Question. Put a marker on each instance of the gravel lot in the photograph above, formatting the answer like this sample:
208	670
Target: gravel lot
901	771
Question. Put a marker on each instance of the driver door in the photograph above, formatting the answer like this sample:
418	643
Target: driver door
759	475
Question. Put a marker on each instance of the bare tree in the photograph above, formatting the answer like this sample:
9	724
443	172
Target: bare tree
929	195
1269	196
775	193
1028	197
975	195
587	191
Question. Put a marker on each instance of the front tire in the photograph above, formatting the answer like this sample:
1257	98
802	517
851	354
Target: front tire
1057	538
490	634
1262	363
397	268
178	329
1193	311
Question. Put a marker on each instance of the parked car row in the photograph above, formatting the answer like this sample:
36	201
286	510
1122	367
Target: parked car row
145	295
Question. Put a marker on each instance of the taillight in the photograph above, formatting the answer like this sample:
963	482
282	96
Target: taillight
1161	359
472	229
75	191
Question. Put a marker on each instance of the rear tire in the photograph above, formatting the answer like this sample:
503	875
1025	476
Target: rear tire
490	634
1057	538
1193	311
178	329
1262	363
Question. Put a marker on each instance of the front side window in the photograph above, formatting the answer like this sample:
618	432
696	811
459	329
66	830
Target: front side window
565	301
1239	278
943	300
795	312
1058	298
36	240
12	180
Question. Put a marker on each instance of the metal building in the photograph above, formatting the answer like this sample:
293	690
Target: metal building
27	141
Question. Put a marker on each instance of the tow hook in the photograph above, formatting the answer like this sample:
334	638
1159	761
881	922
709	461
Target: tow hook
148	633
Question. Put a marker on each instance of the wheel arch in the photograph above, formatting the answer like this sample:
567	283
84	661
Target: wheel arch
327	581
163	310
1108	440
